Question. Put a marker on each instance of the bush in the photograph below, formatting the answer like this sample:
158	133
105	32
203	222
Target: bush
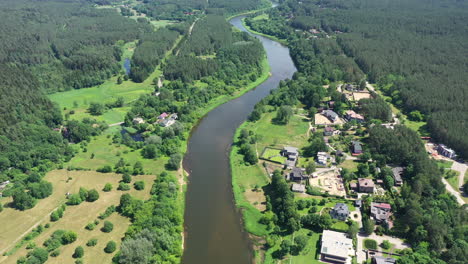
55	253
174	161
79	261
108	227
69	237
123	187
139	185
110	247
386	244
74	199
127	178
54	216
370	244
90	226
79	252
105	169
107	187
93	195
109	210
92	242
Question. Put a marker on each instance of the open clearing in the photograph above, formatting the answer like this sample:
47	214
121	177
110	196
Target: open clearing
75	218
323	120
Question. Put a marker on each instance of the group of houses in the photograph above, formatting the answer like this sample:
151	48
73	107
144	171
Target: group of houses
164	120
297	175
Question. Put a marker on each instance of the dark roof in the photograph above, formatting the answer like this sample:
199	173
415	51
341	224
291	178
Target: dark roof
330	113
329	129
357	146
397	172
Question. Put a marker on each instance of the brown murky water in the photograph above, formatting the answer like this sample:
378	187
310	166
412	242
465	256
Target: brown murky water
214	232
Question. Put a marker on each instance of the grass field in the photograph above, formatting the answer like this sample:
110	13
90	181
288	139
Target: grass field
444	164
106	153
261	16
274	155
351	165
75	217
161	23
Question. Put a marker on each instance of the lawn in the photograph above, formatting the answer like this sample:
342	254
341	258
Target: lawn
444	164
308	256
245	177
106	153
351	165
161	23
340	226
262	16
274	155
453	181
75	217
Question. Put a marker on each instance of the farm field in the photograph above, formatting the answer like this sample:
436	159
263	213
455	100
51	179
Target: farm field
75	217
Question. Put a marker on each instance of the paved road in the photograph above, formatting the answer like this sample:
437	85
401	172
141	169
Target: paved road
455	193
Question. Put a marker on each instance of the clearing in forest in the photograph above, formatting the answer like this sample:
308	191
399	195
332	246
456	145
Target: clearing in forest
75	218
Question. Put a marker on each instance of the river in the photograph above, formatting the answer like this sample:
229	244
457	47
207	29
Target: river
214	232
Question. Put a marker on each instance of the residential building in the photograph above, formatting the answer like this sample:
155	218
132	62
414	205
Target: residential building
336	248
397	173
328	131
297	174
350	87
446	151
381	212
138	120
340	212
356	148
322	158
358	203
365	185
331	104
332	116
350	115
163	116
300	188
383	260
291	154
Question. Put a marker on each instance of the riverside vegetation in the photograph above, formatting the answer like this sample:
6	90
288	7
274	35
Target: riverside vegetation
327	45
36	138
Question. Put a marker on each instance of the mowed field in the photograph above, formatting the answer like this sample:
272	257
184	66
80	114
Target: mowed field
75	218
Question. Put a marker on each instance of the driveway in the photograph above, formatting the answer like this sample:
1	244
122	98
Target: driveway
455	193
461	168
361	255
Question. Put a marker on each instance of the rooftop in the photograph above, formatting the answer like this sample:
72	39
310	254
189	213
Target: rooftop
366	182
336	244
298	188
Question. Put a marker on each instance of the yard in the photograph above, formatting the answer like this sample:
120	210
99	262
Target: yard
75	217
273	155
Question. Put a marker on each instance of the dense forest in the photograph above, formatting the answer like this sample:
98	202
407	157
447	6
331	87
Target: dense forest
414	50
64	44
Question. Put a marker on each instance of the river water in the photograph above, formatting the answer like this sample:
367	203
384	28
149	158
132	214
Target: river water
214	232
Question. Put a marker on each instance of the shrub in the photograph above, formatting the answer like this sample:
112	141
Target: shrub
79	261
139	185
69	237
105	169
127	178
79	252
110	247
92	242
370	244
386	244
123	187
47	225
54	216
74	199
111	209
107	187
90	226
93	195
30	245
55	253
108	227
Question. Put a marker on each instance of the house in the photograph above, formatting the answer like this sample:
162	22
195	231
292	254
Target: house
300	188
383	260
336	248
350	87
445	151
297	174
328	131
356	148
322	158
350	115
353	186
331	104
365	185
169	121
291	154
381	212
163	116
332	116
340	212
397	173
138	120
